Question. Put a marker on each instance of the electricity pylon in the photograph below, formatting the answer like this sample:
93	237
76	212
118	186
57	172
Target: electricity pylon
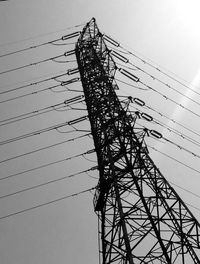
141	217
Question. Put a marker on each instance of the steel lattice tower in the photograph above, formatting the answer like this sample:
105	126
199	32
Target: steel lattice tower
141	217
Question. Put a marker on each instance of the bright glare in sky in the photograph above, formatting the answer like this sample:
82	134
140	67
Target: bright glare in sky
187	13
188	93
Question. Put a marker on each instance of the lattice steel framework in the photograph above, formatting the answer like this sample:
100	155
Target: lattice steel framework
141	217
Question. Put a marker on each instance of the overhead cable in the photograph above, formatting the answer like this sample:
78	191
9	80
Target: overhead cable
53	42
45	165
158	135
34	64
46	183
44	148
34	83
46	203
41	35
184	189
141	103
167	85
171	100
137	80
117	44
51	88
148	118
131	85
178	161
125	60
56	107
44	130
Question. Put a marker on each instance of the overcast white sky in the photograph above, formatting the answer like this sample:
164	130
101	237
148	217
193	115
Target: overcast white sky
163	31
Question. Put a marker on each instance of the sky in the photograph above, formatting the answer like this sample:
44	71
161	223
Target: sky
163	33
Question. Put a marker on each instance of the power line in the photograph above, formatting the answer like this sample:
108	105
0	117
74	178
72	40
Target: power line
178	161
47	203
186	190
44	148
167	98
182	163
33	47
178	133
40	35
51	88
46	183
30	93
170	129
131	85
125	60
44	130
136	79
33	83
158	136
45	165
142	104
181	147
167	85
166	139
26	49
167	75
34	64
42	111
174	121
154	67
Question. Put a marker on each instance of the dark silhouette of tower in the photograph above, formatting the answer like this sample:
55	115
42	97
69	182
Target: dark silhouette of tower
141	217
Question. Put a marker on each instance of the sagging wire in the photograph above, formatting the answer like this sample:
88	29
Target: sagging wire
184	189
70	107
73	90
174	121
167	85
44	130
51	88
58	91
94	161
141	103
64	132
181	147
178	133
131	85
41	35
170	157
30	93
136	79
127	67
33	83
33	64
117	50
56	107
170	129
78	109
46	183
45	204
81	130
59	61
63	44
52	42
157	135
117	44
44	148
44	166
90	176
167	75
